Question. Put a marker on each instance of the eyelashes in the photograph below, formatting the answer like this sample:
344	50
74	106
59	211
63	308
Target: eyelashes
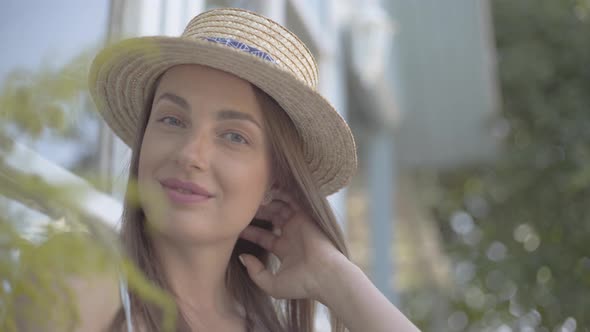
172	121
231	136
235	137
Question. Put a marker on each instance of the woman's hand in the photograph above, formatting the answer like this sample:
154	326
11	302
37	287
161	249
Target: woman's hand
307	256
311	267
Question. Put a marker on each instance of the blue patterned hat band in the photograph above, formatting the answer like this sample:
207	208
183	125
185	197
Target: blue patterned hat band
242	47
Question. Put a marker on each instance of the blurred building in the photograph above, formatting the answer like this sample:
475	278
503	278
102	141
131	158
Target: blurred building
446	61
447	100
428	104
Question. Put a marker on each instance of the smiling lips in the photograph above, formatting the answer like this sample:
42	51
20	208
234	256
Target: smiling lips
183	192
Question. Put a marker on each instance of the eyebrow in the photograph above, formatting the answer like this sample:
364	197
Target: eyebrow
175	99
221	115
236	115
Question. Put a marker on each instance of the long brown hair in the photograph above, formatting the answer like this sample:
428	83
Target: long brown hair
292	173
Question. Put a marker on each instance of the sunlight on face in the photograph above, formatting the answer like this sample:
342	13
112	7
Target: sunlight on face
204	162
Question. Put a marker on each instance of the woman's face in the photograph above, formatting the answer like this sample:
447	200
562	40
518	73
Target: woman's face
204	163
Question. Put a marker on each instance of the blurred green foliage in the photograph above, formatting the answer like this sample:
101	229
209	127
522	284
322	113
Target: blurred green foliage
33	101
35	275
518	230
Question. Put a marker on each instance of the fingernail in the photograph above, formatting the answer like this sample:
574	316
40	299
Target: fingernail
242	260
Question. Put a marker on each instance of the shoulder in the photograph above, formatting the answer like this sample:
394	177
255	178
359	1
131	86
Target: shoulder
96	294
98	300
95	299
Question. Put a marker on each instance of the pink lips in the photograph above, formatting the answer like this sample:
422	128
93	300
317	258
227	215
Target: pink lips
183	192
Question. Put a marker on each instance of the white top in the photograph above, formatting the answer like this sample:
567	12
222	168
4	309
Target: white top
124	292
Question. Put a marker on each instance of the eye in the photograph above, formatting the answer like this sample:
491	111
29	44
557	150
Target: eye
172	121
235	138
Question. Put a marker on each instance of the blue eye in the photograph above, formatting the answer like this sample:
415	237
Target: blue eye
235	138
170	120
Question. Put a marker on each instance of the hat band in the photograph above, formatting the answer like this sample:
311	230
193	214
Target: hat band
242	47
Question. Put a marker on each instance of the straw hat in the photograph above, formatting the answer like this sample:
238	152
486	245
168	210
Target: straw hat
247	45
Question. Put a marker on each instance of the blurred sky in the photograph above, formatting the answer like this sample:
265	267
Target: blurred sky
51	30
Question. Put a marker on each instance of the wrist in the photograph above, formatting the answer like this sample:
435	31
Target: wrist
334	275
352	297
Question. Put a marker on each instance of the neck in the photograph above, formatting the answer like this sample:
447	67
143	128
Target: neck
196	274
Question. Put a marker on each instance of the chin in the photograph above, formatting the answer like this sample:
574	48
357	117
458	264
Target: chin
195	229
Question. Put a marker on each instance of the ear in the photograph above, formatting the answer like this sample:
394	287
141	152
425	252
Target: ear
268	197
269	194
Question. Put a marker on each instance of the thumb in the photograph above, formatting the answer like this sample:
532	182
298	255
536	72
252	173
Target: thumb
261	276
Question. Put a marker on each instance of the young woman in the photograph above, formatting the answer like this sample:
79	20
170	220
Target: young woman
234	153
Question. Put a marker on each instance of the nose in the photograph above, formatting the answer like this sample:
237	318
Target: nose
194	152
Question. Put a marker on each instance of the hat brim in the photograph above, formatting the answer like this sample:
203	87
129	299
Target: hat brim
122	77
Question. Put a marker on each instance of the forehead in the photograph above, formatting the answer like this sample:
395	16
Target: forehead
205	86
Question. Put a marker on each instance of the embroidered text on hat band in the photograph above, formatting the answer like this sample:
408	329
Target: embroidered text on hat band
241	46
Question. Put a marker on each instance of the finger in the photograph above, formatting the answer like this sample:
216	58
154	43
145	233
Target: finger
262	277
259	236
268	240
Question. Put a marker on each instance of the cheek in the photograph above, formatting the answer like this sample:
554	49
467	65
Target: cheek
150	157
145	162
244	182
153	152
